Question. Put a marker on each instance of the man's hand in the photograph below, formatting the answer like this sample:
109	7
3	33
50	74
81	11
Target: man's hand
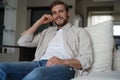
54	61
46	18
69	62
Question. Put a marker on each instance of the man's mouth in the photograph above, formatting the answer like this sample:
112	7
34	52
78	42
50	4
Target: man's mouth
58	19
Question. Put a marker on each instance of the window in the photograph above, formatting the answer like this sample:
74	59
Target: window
116	33
98	17
116	29
99	14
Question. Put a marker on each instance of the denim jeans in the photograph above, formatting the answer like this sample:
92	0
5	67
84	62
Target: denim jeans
35	70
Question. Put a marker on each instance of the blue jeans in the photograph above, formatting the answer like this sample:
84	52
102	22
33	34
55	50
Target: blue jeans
35	70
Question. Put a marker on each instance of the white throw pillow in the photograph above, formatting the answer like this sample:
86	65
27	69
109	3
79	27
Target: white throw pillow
102	41
116	60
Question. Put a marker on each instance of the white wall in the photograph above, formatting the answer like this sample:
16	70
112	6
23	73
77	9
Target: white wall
10	23
21	18
14	21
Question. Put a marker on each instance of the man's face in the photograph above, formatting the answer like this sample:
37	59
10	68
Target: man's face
60	15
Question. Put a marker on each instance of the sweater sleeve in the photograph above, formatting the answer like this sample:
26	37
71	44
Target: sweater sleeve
85	50
30	40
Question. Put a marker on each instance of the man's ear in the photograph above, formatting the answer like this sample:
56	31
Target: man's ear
68	14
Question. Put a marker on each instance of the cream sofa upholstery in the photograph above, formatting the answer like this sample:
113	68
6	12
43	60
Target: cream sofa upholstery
114	74
106	65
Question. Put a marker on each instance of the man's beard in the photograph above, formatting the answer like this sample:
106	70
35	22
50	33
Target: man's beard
62	24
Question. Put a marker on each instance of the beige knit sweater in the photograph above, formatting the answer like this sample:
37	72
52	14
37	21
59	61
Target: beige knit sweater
76	41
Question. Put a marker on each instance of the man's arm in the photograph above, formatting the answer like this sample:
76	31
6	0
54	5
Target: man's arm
28	39
73	63
43	20
69	62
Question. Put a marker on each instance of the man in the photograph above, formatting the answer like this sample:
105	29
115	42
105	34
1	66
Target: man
61	50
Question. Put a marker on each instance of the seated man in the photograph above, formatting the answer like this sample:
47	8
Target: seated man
61	50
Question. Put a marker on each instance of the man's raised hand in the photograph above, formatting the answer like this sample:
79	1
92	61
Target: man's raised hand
46	18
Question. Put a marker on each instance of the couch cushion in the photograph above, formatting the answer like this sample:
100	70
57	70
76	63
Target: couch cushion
112	75
102	41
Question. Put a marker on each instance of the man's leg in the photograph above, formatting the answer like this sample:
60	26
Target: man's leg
57	72
15	70
2	75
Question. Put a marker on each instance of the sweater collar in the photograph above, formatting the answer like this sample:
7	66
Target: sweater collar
67	26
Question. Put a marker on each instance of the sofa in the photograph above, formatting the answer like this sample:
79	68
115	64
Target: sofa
106	64
113	74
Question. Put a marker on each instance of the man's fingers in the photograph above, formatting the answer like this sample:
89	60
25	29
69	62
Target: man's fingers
49	18
49	63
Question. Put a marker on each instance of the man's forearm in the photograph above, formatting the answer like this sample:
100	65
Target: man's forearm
69	62
43	20
73	63
33	28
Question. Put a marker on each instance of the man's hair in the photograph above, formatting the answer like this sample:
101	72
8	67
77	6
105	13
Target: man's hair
58	2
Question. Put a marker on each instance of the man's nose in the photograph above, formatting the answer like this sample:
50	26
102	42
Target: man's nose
58	14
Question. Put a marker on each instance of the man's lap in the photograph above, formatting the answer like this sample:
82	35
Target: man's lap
57	72
18	70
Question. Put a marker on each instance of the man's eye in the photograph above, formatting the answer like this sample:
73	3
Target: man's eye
53	13
61	10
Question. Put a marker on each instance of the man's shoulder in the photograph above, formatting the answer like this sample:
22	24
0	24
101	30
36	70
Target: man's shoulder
79	30
76	28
